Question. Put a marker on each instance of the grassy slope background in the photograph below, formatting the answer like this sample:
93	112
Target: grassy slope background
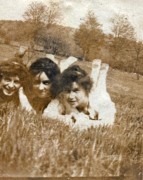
32	146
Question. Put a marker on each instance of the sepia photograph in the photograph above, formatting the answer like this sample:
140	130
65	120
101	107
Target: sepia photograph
71	89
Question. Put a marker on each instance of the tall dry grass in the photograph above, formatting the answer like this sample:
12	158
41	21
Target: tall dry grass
32	146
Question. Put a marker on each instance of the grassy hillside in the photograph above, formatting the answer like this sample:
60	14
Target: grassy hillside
7	51
32	146
125	83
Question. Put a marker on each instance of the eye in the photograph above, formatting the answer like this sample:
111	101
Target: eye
7	79
46	82
17	81
67	90
76	90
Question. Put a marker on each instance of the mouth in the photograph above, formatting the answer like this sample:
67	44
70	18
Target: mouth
72	102
44	94
8	92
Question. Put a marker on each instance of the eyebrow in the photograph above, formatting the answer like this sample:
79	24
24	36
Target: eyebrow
75	88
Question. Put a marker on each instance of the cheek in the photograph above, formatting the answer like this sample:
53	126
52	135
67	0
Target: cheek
66	96
81	96
63	97
4	82
17	86
47	87
36	86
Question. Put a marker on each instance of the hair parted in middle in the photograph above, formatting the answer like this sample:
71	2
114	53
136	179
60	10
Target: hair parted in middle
46	65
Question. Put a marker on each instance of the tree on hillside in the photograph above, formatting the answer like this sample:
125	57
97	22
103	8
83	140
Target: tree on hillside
137	55
35	13
121	27
34	16
40	15
89	36
53	42
53	13
123	33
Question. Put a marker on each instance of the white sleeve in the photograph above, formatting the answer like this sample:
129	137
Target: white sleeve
54	111
83	123
25	104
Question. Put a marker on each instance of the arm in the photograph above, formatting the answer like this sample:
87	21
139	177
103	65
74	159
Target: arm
83	123
78	120
54	111
24	101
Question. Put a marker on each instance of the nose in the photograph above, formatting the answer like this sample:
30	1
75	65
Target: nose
11	84
41	86
71	95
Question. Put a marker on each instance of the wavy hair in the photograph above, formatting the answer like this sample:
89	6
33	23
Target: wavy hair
14	68
72	74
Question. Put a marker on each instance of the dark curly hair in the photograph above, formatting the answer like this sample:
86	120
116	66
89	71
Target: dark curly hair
45	65
72	74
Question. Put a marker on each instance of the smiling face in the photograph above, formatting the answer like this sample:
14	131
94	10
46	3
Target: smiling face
41	85
10	85
76	97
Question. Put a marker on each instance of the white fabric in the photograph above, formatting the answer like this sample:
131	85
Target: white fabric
99	100
22	49
52	57
54	112
24	101
65	63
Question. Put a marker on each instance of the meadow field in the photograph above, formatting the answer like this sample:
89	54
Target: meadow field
36	147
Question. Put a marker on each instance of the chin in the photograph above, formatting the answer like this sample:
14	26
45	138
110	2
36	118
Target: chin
44	96
73	105
8	93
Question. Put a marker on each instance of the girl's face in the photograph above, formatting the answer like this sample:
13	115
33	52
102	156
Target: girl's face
10	85
76	97
41	85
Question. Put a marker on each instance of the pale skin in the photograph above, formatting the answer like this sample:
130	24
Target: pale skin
10	85
76	97
41	86
77	102
73	103
82	120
